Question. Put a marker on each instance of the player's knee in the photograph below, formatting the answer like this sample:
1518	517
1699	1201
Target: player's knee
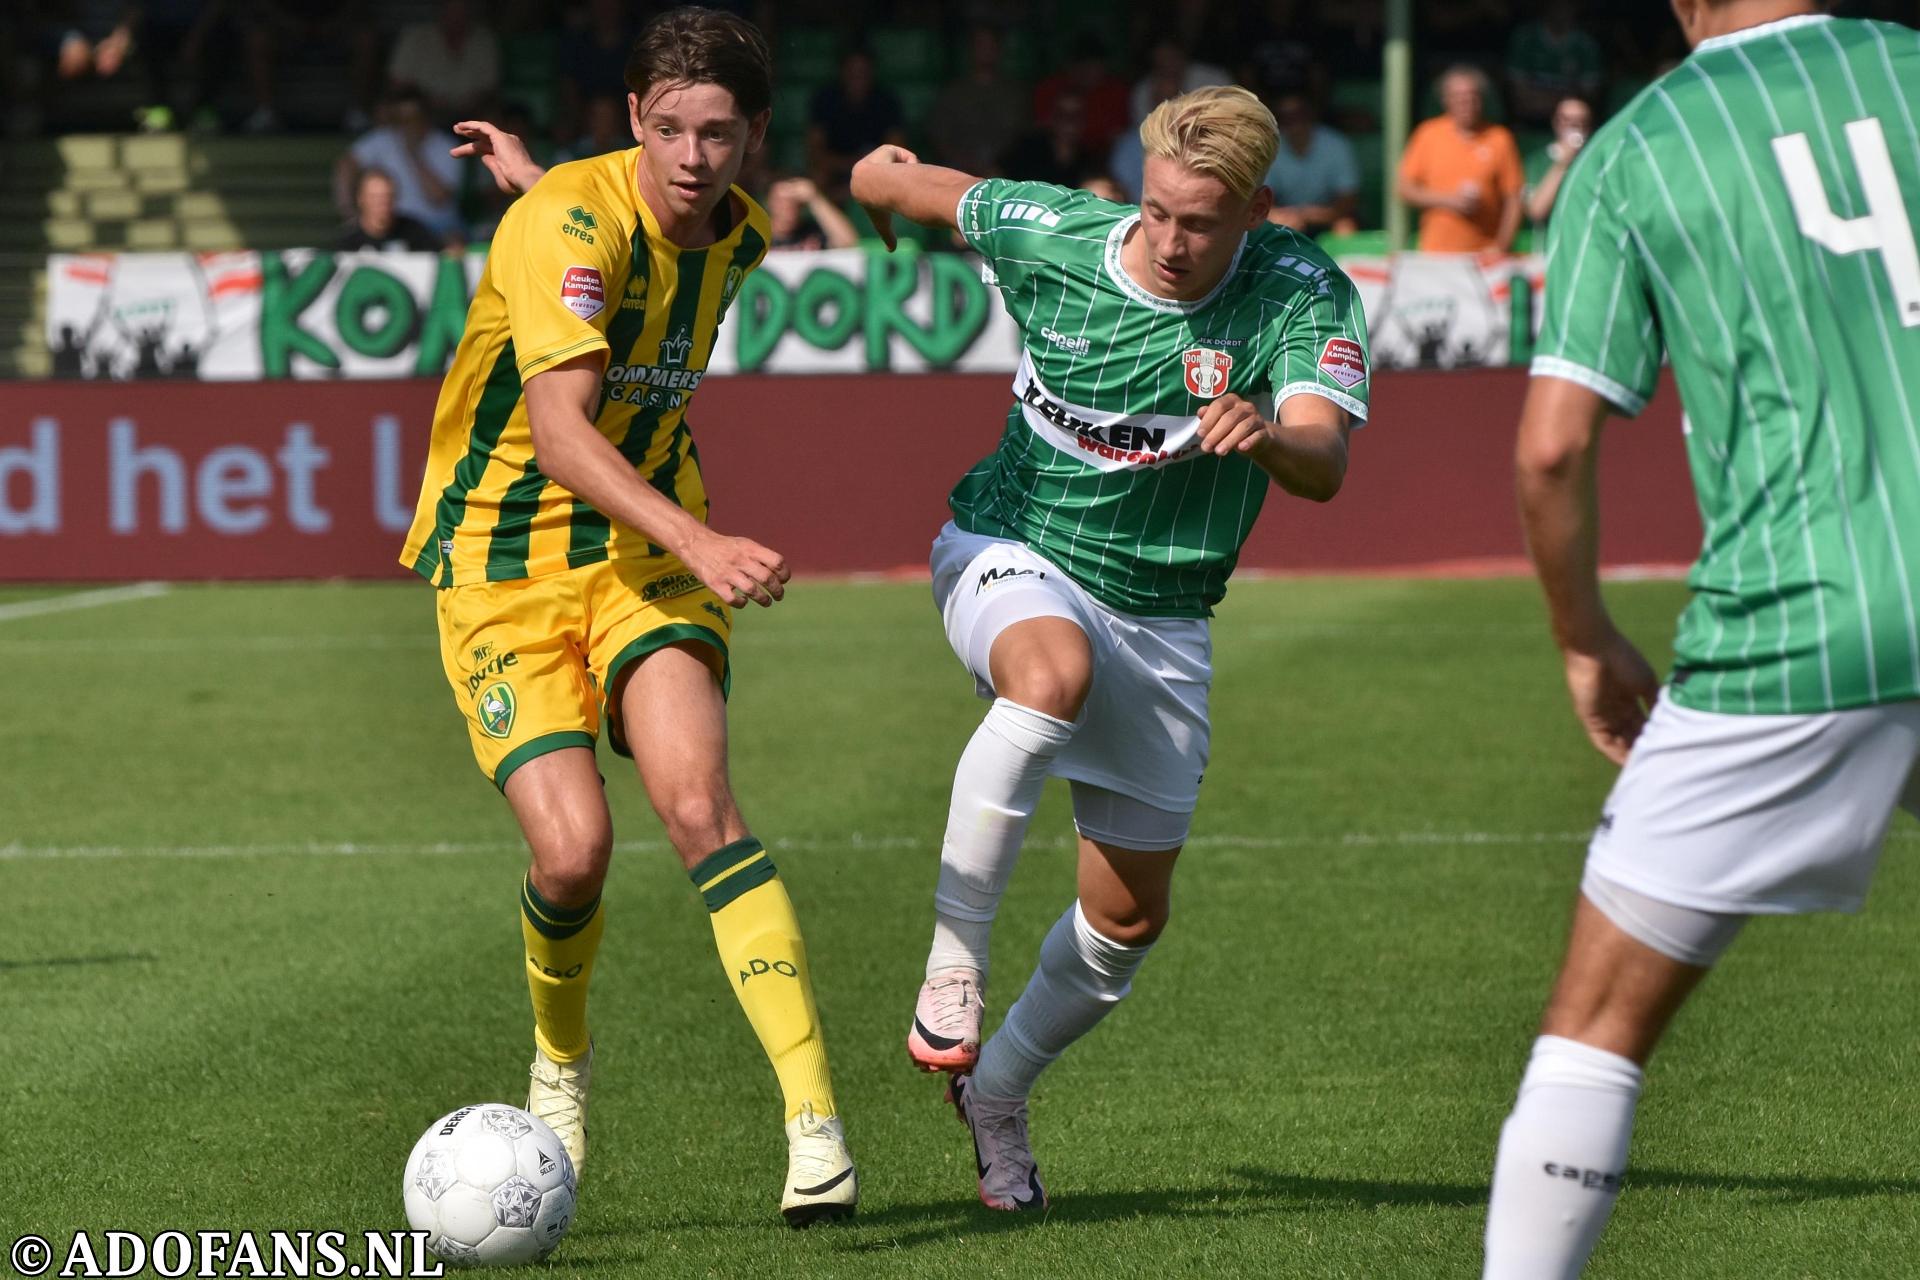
1057	689
1134	925
569	872
698	821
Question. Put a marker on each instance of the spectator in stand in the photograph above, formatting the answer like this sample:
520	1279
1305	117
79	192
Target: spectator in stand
979	113
375	225
453	61
1315	178
593	59
1169	61
90	40
1057	152
1104	187
426	179
1279	50
180	46
1550	59
1127	161
799	217
1103	95
1463	173
607	129
847	119
1572	126
269	26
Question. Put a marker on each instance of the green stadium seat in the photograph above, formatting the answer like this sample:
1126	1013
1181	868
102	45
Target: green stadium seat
907	55
806	54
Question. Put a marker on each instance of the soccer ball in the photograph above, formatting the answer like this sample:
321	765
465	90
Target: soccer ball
491	1186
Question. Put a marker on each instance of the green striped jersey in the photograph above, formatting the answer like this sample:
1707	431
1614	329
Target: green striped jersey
1750	213
1099	467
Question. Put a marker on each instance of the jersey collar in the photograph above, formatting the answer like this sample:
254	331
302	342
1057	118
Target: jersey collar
1775	27
1133	289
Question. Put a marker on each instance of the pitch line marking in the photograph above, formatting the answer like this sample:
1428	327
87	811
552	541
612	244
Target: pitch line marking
853	841
81	600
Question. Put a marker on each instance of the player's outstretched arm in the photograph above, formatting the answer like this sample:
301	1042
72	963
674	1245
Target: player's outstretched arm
891	180
505	156
572	453
1304	450
1612	686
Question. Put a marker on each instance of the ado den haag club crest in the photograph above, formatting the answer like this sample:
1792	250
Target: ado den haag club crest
496	709
1206	371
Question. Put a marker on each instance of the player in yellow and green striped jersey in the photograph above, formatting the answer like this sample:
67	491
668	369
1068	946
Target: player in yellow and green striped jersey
563	519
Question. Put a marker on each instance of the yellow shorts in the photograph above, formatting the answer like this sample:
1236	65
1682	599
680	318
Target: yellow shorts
531	660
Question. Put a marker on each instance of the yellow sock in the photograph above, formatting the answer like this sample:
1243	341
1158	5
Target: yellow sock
561	942
759	942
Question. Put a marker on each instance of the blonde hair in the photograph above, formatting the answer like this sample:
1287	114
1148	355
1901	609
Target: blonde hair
1223	131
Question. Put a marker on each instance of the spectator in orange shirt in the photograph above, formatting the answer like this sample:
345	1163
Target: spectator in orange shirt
1463	173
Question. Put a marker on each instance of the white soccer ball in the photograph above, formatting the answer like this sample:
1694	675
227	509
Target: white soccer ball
491	1186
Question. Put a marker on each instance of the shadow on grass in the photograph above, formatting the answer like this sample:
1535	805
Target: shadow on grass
1245	1191
68	962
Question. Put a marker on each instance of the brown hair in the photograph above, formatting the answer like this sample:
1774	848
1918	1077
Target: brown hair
692	45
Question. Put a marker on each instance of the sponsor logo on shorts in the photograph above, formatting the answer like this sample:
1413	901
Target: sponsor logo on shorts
714	609
583	291
673	584
1206	371
487	663
992	576
1079	346
496	710
1343	361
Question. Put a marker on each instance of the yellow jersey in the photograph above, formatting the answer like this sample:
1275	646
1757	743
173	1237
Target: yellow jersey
578	265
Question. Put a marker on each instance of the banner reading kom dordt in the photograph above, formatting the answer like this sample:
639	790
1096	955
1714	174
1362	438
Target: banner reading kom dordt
315	314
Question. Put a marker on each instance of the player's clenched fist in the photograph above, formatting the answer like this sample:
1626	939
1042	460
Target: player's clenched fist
1229	424
738	569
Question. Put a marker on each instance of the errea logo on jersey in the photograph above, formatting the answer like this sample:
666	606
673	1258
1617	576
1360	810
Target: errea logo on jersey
1022	211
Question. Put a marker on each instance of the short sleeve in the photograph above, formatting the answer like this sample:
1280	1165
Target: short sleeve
1323	346
556	286
1512	174
1008	223
1600	327
1413	161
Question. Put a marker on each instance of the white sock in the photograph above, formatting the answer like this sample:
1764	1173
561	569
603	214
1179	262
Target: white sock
1563	1152
1081	976
995	791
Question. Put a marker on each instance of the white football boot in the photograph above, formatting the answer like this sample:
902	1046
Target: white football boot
945	1035
1009	1179
821	1184
557	1094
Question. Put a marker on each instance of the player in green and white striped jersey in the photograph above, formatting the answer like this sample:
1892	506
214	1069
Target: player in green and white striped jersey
1751	215
1179	359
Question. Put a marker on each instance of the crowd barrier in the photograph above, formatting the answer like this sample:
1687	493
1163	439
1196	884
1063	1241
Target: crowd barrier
185	480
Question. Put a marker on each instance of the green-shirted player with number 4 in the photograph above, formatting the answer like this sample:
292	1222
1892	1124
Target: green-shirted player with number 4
1751	215
1179	359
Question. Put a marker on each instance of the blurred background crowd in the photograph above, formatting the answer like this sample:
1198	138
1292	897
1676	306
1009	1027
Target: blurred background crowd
1049	90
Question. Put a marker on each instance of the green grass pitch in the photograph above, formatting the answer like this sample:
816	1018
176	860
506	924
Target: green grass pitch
261	928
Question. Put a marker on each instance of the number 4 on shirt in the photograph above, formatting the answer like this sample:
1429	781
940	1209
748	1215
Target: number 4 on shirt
1885	226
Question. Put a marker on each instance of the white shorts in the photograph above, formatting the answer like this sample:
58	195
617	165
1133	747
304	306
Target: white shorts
1759	815
1143	732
